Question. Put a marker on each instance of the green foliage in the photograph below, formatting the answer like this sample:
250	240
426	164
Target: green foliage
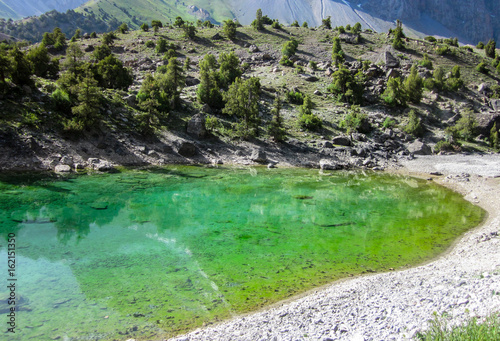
355	121
494	141
437	82
41	63
229	29
86	112
145	27
242	101
294	97
258	22
347	87
307	119
430	39
187	64
101	52
229	69
189	31
307	105
275	128
443	146
5	69
465	128
93	35
156	25
480	45
57	38
208	24
285	61
151	44
398	36
413	86
169	54
276	25
295	24
414	125
20	68
61	100
356	29
327	23
451	42
110	73
426	62
179	22
389	123
443	50
208	90
490	49
482	68
289	48
123	28
338	55
161	46
305	25
395	93
471	331
108	38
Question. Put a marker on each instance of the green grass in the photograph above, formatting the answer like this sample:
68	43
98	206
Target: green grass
489	330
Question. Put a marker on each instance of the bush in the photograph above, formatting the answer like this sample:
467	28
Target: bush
295	24
355	121
430	39
443	146
480	45
276	25
465	128
161	47
414	125
60	99
285	61
229	28
389	123
426	62
305	25
151	44
145	27
443	50
310	122
482	68
395	93
490	49
294	97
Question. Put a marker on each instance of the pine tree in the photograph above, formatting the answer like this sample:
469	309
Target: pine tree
276	129
242	101
20	68
208	90
414	86
229	69
395	93
258	22
229	29
338	55
490	48
175	81
494	137
89	97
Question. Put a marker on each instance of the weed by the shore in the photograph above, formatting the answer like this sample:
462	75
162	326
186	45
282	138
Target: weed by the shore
473	330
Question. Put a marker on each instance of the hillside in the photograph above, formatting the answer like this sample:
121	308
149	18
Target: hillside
134	125
470	21
18	9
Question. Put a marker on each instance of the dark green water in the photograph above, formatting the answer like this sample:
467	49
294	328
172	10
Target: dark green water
146	254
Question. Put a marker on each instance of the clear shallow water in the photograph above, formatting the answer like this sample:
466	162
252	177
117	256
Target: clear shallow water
147	254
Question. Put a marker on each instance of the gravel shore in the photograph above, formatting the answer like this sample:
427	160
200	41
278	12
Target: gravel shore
463	283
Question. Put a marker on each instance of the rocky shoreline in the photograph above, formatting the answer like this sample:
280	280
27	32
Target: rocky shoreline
463	283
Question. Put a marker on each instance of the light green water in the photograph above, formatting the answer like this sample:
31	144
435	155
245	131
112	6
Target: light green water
147	254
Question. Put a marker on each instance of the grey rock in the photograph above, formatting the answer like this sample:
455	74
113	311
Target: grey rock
191	81
326	164
341	141
310	78
389	60
186	149
217	36
419	148
206	109
259	156
495	104
253	48
66	160
62	169
392	74
196	126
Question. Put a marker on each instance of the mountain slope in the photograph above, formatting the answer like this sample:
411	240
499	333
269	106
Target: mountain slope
17	9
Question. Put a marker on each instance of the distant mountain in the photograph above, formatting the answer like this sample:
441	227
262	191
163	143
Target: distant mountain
469	20
17	9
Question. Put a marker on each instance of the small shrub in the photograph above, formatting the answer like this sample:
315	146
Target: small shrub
414	125
61	100
465	128
389	123
313	65
482	68
355	121
443	146
145	27
276	25
211	123
305	25
443	50
295	24
310	122
285	61
294	97
151	44
430	39
480	45
426	62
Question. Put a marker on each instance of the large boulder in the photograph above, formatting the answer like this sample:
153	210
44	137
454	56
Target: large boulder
341	141
325	164
196	126
62	169
486	120
389	60
259	156
186	149
419	148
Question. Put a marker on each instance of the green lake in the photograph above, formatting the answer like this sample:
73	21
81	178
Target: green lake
151	253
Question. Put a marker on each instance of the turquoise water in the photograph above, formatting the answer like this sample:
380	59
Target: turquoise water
147	254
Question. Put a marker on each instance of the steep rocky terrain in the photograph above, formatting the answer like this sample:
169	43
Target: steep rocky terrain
470	21
33	134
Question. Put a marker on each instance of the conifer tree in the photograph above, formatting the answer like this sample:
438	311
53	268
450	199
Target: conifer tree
229	29
242	101
490	48
276	129
337	52
414	86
